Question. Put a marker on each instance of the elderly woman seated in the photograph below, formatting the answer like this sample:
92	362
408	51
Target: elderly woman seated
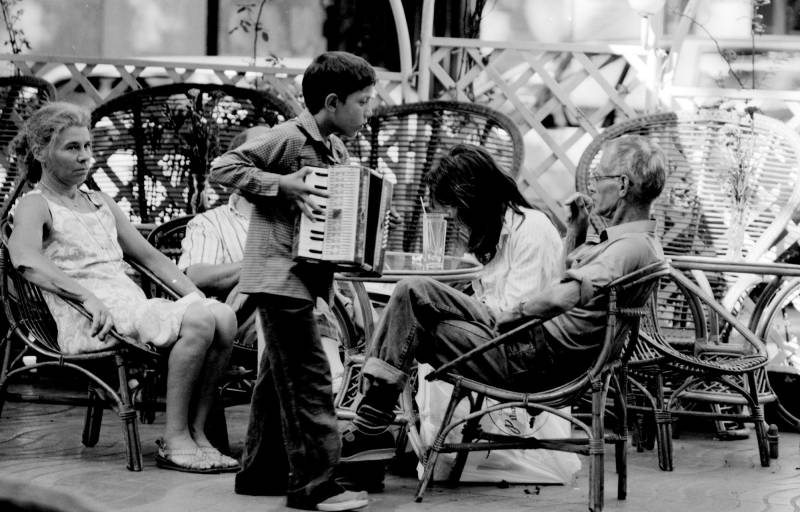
71	243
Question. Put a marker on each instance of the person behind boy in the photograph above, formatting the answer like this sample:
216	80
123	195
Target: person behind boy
338	88
211	256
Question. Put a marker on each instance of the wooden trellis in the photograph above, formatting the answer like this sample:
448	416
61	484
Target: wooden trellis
542	87
135	74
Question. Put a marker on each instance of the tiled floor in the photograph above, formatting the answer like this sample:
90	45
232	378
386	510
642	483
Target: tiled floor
40	445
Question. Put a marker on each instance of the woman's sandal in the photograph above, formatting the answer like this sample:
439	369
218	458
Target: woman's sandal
188	461
220	461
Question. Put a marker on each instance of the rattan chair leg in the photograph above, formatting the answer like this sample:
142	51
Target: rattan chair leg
638	434
621	444
469	433
773	438
757	414
133	444
410	430
94	418
761	435
597	447
664	441
4	373
433	454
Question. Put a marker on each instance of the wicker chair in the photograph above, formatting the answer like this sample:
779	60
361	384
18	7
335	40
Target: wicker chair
20	96
153	145
622	325
694	217
33	330
409	139
712	372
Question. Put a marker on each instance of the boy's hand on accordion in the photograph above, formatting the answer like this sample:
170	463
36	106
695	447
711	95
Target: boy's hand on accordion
393	220
295	189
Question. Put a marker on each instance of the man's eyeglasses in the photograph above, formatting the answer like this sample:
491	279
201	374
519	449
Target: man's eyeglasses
594	178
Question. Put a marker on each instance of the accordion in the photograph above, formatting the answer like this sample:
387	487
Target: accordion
350	229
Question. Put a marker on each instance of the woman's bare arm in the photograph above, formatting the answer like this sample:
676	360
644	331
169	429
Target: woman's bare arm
26	250
137	248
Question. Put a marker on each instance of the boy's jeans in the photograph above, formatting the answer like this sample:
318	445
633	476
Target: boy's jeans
296	362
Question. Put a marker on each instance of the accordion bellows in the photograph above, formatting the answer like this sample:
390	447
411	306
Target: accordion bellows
350	229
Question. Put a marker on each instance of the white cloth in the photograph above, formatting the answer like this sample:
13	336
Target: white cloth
84	246
216	236
530	256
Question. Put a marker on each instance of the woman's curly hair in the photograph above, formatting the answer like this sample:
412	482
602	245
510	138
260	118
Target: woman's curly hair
41	130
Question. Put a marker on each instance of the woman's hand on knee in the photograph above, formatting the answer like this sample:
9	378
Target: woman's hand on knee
102	322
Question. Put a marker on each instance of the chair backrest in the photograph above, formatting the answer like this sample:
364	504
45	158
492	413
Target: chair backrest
167	237
409	139
30	318
20	96
25	308
713	157
695	212
153	146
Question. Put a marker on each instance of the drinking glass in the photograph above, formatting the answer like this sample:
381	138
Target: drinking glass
434	229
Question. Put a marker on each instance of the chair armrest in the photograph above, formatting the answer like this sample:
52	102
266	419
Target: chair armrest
144	347
150	278
495	342
717	308
638	277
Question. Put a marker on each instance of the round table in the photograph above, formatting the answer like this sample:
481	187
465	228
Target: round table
400	265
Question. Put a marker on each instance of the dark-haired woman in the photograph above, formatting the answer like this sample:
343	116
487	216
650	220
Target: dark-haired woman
521	252
71	242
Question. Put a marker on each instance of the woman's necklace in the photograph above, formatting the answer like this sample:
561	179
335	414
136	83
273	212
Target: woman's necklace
75	204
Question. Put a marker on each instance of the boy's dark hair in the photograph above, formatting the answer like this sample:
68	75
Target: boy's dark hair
340	73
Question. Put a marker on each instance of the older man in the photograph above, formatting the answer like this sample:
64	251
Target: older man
418	321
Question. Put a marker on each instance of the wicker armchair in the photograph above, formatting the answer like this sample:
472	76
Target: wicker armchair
729	375
695	218
153	145
622	325
409	139
32	330
20	96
